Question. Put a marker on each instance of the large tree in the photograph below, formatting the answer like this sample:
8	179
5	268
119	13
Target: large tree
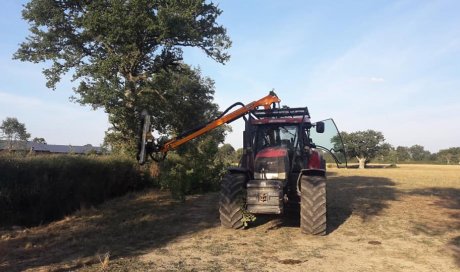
39	140
402	153
186	102
13	132
418	153
364	145
116	49
449	155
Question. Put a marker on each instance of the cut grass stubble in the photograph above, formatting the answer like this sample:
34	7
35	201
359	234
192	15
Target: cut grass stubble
399	219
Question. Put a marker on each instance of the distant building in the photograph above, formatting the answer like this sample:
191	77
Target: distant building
52	149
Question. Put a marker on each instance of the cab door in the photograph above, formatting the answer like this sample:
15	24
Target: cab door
329	141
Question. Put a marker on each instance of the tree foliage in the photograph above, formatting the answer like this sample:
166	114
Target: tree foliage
227	154
39	140
358	142
449	155
364	145
418	153
196	167
123	52
402	153
13	132
186	102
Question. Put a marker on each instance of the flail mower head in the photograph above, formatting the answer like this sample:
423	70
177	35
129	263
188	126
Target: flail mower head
147	144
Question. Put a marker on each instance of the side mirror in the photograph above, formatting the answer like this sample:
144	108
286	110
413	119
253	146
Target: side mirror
320	127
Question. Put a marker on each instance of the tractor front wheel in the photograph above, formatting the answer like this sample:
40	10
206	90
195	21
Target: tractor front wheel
232	200
313	205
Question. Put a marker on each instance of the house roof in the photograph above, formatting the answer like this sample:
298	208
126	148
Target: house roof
63	149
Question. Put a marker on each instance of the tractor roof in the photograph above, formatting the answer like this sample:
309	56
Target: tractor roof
279	116
283	120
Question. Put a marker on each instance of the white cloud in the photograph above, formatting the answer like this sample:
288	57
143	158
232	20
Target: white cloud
377	79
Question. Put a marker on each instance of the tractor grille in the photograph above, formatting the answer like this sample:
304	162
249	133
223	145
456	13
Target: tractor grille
271	168
265	196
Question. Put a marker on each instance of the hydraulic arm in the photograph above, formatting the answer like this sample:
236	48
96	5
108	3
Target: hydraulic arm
149	146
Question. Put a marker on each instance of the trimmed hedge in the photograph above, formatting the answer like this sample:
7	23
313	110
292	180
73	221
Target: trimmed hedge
38	189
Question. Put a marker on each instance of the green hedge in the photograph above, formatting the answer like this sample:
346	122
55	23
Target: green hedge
38	189
188	174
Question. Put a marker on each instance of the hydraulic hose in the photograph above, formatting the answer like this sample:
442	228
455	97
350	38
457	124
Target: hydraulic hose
185	133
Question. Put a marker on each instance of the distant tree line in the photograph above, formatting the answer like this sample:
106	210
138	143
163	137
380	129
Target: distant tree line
370	146
417	153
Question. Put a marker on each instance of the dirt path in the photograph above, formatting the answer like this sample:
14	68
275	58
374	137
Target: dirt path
405	219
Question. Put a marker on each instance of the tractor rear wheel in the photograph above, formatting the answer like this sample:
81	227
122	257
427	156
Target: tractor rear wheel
232	200
313	205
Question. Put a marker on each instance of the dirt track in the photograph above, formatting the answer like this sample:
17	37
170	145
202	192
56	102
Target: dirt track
405	219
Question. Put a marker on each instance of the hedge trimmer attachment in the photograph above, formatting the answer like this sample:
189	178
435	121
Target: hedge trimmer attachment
158	148
147	146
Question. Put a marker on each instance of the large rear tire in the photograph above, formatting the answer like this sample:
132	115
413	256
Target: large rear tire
313	205
232	200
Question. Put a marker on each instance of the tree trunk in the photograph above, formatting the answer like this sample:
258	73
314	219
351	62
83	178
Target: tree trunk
362	162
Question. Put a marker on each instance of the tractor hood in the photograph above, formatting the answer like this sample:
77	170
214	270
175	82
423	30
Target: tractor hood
271	152
272	163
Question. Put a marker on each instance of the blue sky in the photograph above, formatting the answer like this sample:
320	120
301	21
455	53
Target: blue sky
383	65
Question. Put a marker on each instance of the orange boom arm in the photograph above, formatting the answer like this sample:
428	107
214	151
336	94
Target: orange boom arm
266	102
147	140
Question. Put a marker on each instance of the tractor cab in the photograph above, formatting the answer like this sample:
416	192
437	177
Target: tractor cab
281	144
274	146
288	136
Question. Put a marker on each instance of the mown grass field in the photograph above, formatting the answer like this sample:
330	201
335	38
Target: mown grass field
396	219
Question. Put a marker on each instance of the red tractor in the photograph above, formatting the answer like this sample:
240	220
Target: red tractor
281	165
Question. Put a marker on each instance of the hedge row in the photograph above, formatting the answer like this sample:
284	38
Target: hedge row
38	189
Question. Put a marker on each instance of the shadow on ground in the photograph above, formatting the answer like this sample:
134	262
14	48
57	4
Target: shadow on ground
455	244
448	198
365	197
126	227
